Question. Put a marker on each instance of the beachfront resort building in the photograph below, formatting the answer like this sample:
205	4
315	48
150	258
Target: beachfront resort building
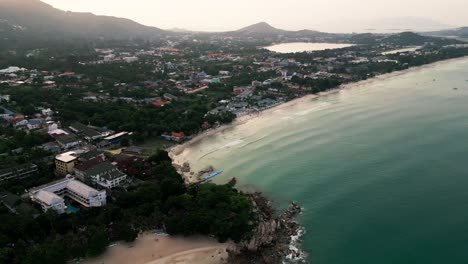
51	196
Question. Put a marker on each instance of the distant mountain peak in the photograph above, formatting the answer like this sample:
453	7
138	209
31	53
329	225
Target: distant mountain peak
260	28
263	24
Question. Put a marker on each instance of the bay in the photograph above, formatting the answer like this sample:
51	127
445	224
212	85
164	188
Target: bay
380	169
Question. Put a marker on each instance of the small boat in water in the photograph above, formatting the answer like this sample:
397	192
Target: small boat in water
212	175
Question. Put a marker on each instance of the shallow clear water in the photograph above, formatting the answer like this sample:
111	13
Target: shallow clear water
380	169
305	46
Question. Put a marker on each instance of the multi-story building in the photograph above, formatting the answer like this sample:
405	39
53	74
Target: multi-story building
67	142
18	172
86	132
91	155
51	196
65	162
49	200
103	173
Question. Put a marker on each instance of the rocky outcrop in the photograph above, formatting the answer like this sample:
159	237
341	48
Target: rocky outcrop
207	170
271	240
185	167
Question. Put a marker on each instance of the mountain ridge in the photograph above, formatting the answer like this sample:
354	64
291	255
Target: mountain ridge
461	32
260	27
28	22
39	18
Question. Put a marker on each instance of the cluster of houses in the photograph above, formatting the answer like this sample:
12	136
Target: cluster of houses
15	76
250	99
88	177
80	135
131	56
40	120
79	158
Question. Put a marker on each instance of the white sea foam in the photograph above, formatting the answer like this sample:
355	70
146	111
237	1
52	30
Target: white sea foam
233	143
314	108
296	254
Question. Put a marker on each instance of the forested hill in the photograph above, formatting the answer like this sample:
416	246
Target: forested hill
403	39
263	29
458	33
33	19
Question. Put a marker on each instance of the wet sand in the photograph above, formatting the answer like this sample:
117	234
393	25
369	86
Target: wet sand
151	249
207	255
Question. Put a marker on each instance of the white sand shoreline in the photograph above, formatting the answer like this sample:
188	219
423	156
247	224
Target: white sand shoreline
152	249
175	151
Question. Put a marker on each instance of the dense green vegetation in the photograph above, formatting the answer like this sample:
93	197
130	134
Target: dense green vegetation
403	39
210	209
18	147
161	202
146	120
318	85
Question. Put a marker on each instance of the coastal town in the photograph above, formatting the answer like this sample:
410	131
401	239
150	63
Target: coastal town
87	128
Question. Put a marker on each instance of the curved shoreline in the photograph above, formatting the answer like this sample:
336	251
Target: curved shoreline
152	249
205	255
175	151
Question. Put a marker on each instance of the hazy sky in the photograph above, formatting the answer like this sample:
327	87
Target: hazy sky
293	14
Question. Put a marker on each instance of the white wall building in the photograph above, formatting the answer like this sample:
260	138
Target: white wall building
49	200
104	174
52	195
130	59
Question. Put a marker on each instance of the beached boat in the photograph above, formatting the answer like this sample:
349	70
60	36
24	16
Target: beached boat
160	233
212	175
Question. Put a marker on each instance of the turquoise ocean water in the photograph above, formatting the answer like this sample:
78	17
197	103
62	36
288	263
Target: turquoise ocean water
381	170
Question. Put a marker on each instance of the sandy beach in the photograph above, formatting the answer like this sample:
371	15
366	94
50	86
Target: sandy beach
178	152
151	249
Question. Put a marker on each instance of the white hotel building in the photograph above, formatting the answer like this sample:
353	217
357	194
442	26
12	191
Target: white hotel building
52	195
